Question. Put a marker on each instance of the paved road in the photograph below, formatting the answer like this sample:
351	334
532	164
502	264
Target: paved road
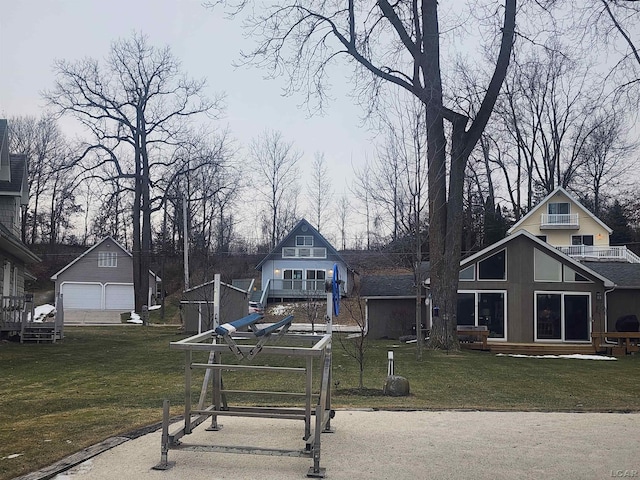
398	445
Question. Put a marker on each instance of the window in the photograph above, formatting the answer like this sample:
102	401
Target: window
483	308
548	314
493	267
292	280
563	316
107	259
546	268
468	274
304	241
315	279
304	252
466	308
581	239
542	237
559	208
572	276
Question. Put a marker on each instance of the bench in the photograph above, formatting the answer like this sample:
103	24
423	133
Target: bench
627	342
473	336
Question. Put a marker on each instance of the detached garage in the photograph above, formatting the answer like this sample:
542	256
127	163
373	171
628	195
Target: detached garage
100	279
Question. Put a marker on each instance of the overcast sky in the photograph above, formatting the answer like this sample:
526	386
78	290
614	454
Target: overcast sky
33	33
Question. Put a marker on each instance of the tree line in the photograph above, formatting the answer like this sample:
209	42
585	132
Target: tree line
466	144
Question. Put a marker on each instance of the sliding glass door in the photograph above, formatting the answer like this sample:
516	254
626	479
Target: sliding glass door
563	316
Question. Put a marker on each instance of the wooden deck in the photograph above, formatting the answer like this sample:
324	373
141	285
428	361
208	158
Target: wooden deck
542	348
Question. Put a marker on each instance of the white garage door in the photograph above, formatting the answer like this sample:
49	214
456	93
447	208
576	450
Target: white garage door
118	297
82	296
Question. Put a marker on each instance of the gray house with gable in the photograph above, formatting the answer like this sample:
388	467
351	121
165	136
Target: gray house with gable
101	279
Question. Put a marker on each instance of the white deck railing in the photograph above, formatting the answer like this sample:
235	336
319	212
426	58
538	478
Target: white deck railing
621	253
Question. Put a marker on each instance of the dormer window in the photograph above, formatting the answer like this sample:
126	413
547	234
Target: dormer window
304	241
559	216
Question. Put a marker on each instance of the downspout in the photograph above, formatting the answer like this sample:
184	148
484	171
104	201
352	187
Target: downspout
366	317
606	310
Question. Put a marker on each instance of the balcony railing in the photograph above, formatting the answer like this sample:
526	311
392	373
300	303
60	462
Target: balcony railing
559	220
591	252
297	288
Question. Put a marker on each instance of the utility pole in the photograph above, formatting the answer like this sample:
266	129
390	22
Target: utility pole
186	242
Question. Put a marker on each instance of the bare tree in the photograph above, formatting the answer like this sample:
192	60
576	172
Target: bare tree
395	44
320	190
344	209
609	29
276	179
136	106
356	344
48	154
605	158
361	189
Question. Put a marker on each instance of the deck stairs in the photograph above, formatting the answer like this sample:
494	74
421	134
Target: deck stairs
43	333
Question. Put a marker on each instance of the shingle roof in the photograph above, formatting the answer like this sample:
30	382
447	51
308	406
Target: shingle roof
388	286
396	285
624	275
17	163
276	252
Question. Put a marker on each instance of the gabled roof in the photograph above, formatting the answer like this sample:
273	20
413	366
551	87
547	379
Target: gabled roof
543	202
4	150
542	245
275	253
108	238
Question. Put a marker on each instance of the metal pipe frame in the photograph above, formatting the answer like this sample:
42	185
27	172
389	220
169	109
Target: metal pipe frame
319	347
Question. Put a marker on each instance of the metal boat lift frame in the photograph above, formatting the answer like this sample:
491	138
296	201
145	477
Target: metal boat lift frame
212	341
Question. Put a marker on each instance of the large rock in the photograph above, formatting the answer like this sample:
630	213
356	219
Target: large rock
396	386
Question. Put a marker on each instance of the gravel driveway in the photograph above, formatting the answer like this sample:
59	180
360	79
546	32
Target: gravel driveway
398	445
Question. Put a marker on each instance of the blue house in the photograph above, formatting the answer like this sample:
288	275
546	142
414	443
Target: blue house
298	267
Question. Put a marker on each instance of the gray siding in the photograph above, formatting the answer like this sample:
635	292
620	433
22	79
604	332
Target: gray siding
9	208
389	317
234	304
86	269
619	303
521	287
392	318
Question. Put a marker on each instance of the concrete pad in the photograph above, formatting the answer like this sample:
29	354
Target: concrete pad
92	317
396	445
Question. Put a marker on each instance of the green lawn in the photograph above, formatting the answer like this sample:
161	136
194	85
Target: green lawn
100	382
